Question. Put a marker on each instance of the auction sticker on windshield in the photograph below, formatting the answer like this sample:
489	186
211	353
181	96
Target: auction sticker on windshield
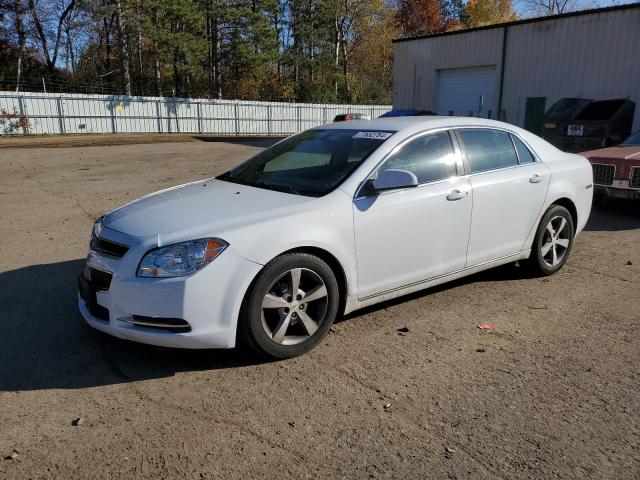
374	134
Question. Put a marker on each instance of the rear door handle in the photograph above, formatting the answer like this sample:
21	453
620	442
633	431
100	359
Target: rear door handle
535	178
456	195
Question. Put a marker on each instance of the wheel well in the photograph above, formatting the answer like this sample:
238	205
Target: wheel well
569	205
335	266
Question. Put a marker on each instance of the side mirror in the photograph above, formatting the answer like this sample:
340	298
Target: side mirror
394	179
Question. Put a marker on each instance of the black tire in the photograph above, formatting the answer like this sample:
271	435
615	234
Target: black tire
541	261
258	329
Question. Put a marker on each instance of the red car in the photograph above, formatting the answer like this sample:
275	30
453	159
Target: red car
616	170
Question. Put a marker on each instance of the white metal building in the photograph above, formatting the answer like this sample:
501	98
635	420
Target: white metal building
521	68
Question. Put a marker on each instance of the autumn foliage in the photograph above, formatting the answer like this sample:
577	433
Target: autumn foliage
488	12
285	50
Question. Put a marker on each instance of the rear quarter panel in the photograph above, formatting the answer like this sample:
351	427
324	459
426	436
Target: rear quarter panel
571	178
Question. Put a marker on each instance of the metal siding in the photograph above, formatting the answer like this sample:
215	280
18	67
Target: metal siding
427	56
74	113
591	56
460	89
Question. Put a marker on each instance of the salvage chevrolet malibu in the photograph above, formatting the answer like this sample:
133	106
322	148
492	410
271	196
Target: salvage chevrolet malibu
328	221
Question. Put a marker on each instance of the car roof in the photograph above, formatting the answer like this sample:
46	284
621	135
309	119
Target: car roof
397	124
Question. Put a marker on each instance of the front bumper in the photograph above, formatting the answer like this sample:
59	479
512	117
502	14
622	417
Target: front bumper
626	193
209	300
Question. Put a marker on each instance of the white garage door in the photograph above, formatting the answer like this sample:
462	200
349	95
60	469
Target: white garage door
467	91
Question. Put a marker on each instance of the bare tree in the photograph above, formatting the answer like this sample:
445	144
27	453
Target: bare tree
552	7
213	50
347	14
140	43
72	24
124	48
19	21
50	53
156	60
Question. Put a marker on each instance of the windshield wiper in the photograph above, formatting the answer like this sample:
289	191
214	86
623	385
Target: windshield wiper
282	188
226	177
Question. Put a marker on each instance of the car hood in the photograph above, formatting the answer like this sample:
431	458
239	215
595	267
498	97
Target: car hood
621	153
204	205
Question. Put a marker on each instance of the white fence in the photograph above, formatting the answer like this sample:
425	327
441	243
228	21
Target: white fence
48	113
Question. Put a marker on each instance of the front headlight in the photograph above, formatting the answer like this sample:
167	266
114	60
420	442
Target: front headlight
180	259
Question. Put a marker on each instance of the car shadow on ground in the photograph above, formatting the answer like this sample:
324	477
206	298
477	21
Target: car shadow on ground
503	273
256	141
44	342
614	214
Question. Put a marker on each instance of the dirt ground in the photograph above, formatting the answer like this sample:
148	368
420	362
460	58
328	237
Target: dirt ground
553	391
106	139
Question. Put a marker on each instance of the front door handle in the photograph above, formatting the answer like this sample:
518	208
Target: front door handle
535	178
456	195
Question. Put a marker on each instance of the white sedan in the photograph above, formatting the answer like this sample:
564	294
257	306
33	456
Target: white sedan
328	221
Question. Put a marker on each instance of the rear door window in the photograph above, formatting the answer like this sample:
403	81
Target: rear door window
488	149
524	154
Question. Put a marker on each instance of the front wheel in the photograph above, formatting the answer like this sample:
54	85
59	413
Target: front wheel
553	241
290	306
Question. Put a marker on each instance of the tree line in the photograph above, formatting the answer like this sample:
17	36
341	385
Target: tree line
280	50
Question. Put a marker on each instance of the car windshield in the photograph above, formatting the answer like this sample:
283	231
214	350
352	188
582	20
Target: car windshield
312	163
633	140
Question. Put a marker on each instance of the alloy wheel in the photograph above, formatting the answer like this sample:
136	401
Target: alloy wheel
555	242
294	307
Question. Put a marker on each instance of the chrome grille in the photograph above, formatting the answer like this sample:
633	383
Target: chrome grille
634	178
603	174
107	247
90	282
100	279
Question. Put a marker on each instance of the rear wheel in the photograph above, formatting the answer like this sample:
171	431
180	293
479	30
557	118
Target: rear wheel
290	306
552	244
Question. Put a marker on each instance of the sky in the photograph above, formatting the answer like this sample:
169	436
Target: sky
525	8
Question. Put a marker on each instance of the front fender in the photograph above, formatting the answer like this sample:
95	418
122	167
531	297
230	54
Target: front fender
328	226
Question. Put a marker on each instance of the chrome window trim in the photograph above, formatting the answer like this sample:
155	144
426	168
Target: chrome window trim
460	169
427	184
511	167
612	178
